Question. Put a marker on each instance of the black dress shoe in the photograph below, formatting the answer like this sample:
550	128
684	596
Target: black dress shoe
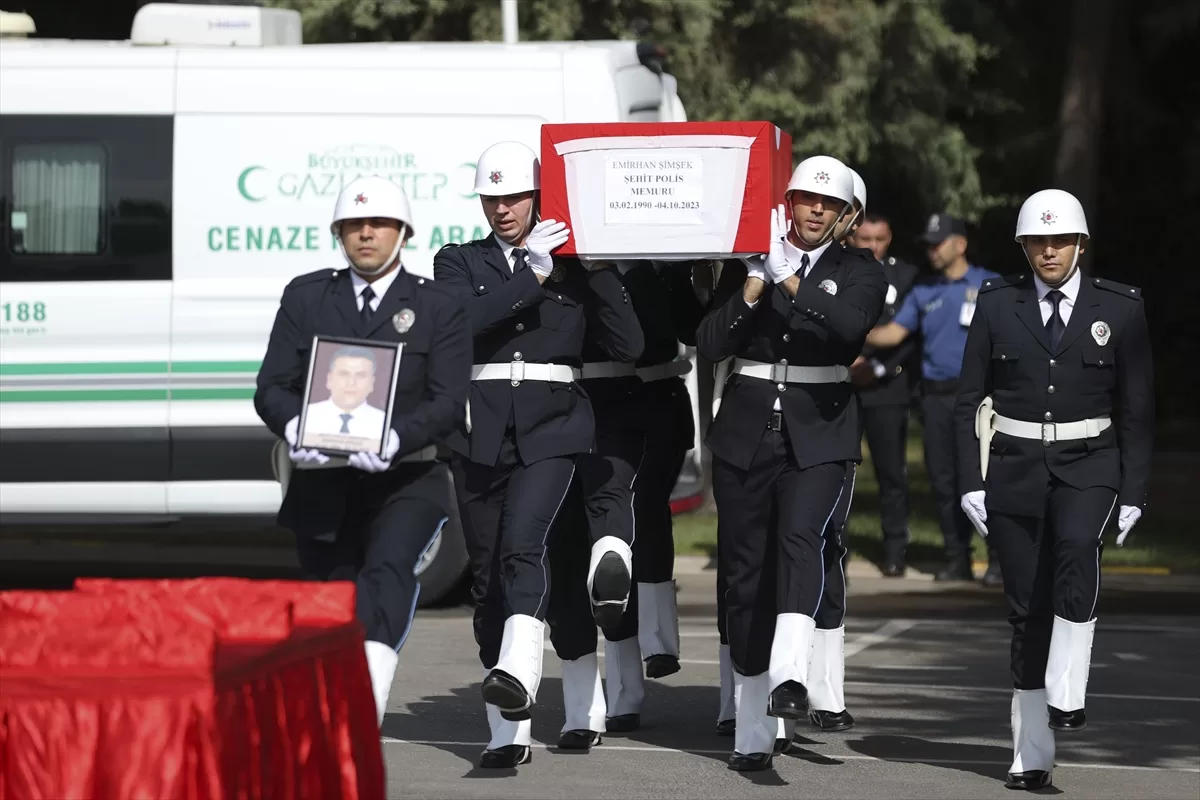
661	666
578	740
610	590
1067	720
956	572
506	693
992	578
1030	781
750	763
782	746
623	723
831	721
727	727
788	700
893	570
507	757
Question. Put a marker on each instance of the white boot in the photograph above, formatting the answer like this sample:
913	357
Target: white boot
583	695
505	732
827	671
1033	740
1069	662
626	684
791	649
658	619
381	663
521	652
610	609
728	708
756	732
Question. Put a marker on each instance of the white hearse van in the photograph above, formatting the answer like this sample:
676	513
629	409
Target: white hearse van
157	194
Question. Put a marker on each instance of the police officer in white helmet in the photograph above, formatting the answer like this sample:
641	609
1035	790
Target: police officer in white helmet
370	517
1047	461
784	439
514	460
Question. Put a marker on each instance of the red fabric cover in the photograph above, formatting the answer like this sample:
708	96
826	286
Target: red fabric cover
767	176
218	688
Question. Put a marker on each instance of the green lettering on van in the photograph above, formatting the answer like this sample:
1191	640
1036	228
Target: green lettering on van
214	239
436	239
456	234
310	237
477	233
254	238
232	238
275	242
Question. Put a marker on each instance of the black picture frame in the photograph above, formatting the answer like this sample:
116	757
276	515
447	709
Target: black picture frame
338	445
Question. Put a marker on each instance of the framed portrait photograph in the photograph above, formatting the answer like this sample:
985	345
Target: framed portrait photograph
348	396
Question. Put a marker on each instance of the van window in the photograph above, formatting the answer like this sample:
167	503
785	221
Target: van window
86	197
58	198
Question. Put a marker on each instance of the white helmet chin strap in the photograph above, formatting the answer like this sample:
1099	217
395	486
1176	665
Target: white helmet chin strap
829	233
1070	272
370	273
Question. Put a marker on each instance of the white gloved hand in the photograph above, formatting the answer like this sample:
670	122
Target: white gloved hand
755	267
976	510
300	456
371	462
1125	522
776	260
545	236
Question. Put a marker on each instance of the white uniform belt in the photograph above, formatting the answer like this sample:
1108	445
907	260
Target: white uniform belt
782	373
660	372
608	369
517	371
1050	432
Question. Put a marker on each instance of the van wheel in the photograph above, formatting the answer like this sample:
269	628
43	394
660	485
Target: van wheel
445	565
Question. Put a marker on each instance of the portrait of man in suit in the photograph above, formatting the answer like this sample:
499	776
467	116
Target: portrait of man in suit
350	417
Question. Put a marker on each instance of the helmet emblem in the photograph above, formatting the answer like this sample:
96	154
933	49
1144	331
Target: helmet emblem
361	198
822	177
932	225
496	176
1048	217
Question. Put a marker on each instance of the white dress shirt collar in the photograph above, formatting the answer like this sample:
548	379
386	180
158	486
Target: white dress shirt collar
1070	289
380	286
795	254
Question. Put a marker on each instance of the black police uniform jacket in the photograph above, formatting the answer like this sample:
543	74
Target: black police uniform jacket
1008	356
668	312
514	318
429	396
902	362
816	328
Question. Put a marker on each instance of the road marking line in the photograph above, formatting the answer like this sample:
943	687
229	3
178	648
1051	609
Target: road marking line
889	630
803	756
1130	656
903	667
995	690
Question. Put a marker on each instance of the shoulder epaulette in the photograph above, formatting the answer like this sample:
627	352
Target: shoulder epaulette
990	284
314	277
1123	289
861	252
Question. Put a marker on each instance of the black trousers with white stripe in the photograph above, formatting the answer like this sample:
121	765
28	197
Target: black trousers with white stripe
378	546
832	612
1051	567
771	547
508	513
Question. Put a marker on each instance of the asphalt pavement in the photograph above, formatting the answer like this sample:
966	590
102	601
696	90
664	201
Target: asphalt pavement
926	680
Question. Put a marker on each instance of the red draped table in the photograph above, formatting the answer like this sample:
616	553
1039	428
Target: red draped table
217	688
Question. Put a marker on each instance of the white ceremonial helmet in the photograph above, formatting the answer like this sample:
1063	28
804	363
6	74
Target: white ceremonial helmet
507	168
860	190
372	196
1049	212
827	176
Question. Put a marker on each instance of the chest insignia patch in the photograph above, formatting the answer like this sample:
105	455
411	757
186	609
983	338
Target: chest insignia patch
891	295
1101	332
403	320
827	286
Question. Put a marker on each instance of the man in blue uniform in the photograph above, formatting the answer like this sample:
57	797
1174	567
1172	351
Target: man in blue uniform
527	422
941	306
370	519
1055	421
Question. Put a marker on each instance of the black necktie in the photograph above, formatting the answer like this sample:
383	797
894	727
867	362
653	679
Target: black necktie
519	255
365	314
1054	325
803	267
345	423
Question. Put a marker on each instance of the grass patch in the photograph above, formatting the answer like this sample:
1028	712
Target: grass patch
1167	543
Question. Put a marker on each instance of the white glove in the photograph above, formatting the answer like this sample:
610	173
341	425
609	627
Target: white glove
545	236
973	505
1128	518
755	267
776	260
301	456
371	462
